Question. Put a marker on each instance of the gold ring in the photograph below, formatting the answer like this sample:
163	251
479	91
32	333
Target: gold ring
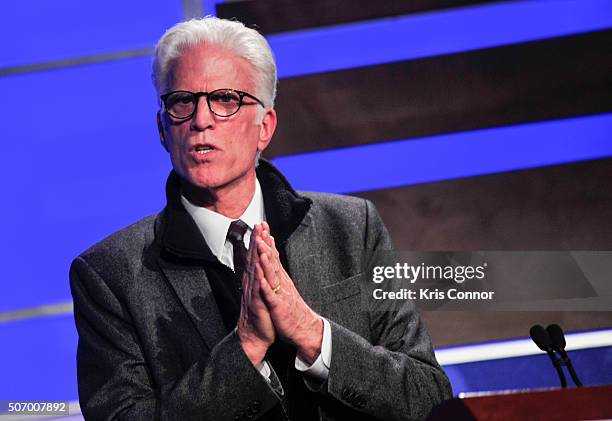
276	289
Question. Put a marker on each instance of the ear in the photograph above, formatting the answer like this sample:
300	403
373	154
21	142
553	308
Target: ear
160	129
266	129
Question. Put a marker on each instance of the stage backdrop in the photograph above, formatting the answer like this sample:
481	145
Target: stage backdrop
485	125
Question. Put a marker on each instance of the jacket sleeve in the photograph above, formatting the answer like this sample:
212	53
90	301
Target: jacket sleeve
116	384
394	374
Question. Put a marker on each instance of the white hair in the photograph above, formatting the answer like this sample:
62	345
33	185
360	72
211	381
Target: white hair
231	35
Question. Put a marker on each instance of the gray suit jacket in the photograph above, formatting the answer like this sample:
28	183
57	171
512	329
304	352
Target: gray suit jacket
152	345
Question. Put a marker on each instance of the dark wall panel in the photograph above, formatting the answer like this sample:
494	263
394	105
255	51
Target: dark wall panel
565	207
521	83
289	15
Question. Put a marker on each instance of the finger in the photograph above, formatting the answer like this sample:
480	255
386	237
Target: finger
260	229
275	255
262	247
269	297
256	305
271	243
260	279
269	271
264	250
267	237
276	273
259	275
270	248
260	232
273	277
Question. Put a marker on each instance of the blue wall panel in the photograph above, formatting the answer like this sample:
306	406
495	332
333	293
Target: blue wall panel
436	33
594	367
81	158
41	30
38	359
444	157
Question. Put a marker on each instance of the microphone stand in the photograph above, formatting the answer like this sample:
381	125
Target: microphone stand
558	343
542	339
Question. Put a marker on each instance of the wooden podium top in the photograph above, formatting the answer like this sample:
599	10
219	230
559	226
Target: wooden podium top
586	403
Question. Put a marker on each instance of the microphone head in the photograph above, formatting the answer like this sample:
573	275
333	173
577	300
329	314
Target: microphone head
541	338
556	336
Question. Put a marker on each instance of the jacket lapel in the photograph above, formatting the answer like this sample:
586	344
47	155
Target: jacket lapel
193	290
184	252
301	250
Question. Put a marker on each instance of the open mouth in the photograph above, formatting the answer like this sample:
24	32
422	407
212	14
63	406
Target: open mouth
203	149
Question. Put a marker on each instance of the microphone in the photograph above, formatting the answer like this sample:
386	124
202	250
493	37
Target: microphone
542	339
558	343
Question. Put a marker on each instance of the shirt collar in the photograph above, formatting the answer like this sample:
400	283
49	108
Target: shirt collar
285	211
214	226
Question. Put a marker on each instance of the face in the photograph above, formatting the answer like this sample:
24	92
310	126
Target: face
210	152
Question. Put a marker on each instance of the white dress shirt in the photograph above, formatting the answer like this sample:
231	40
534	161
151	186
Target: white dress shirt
214	227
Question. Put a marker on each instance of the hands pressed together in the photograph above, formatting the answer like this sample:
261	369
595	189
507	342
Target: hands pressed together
272	307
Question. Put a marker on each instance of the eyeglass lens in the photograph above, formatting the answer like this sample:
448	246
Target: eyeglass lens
222	102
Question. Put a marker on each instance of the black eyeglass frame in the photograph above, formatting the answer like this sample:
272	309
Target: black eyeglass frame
198	95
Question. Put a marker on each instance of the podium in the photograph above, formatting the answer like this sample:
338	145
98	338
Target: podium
586	403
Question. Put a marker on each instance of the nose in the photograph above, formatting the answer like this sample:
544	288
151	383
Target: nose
203	118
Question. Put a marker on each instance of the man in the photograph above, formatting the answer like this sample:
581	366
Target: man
241	300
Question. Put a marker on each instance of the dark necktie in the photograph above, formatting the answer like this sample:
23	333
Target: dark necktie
235	235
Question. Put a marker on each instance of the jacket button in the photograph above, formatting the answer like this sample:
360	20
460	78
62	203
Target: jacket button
256	406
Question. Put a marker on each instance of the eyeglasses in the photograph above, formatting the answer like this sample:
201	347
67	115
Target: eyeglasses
221	102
